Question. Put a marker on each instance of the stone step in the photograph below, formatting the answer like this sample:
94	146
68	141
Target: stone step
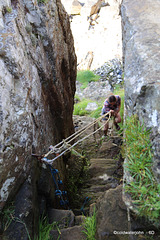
96	170
64	218
102	160
109	147
79	220
100	180
101	166
80	211
100	188
75	233
93	195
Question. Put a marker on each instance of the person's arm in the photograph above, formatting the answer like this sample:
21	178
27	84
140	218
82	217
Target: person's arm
119	105
106	107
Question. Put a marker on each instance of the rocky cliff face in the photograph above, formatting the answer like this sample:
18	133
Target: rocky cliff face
141	53
37	86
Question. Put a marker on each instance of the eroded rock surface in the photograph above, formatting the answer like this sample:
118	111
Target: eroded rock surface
37	86
141	50
115	217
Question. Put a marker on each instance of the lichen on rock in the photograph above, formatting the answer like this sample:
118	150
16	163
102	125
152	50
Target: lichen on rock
37	86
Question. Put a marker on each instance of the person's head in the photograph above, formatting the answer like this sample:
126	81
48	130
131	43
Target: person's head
112	99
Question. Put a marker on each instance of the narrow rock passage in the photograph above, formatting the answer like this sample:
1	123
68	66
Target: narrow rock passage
105	162
105	169
102	187
104	172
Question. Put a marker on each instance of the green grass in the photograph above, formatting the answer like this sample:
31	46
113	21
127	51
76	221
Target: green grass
79	108
42	1
76	99
143	188
9	9
44	229
97	113
7	215
90	226
85	77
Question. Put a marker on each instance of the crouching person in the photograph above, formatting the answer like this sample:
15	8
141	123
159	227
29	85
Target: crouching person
112	104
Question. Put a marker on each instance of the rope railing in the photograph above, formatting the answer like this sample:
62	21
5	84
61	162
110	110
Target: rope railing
65	143
60	149
55	149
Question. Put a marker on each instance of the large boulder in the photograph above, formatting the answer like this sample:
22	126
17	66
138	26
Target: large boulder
111	216
141	54
37	75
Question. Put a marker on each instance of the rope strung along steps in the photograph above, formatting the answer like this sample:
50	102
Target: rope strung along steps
65	146
61	148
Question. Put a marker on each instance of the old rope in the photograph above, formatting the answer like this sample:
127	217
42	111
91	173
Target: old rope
65	146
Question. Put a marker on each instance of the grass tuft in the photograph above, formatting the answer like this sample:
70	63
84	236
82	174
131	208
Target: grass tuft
79	108
44	229
90	226
143	188
7	215
85	77
42	1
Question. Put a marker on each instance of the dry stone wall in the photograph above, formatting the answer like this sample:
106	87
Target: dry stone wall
37	86
141	54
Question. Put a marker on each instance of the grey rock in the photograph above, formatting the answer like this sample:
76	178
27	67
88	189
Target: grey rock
79	220
23	214
75	232
64	218
91	106
111	215
38	72
142	68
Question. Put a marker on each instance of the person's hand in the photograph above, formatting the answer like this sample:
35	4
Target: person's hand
112	112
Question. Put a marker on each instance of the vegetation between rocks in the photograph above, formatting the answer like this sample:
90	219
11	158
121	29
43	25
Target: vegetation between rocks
44	229
8	9
90	226
42	1
80	106
143	188
86	76
8	216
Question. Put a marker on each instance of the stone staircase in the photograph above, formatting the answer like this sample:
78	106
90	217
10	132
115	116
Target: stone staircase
68	226
104	188
105	170
104	173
